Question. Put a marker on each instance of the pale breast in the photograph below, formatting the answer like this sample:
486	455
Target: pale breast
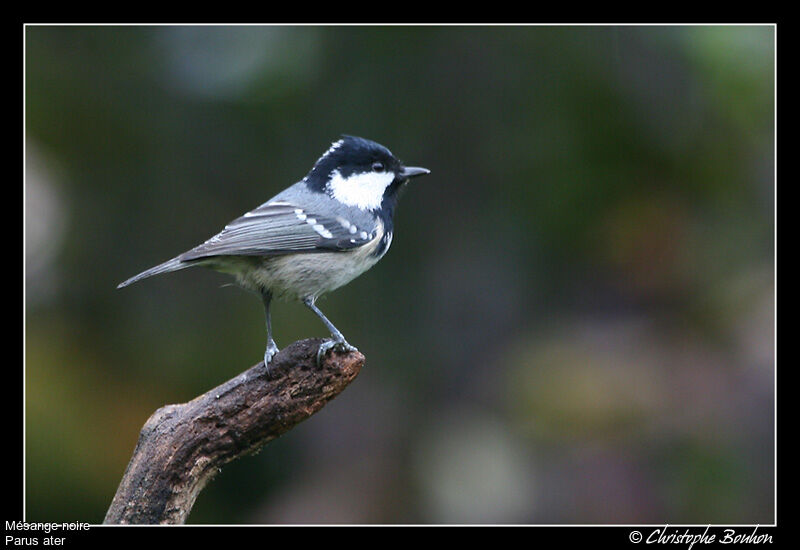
313	274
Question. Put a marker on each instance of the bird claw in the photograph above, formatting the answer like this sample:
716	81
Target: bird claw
328	345
270	353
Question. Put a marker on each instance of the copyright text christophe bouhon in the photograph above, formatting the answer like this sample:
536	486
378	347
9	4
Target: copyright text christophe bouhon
688	537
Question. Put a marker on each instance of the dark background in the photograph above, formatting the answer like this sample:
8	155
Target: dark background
574	324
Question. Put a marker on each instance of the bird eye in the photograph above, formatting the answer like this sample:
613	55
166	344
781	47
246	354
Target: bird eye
378	167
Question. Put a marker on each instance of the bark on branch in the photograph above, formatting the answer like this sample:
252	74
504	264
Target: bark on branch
181	447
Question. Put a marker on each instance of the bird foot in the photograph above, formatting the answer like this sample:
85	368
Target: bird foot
328	345
271	351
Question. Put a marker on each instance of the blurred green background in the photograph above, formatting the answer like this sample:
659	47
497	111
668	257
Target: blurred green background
575	322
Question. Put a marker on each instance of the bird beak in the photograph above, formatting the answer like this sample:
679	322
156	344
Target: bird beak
413	171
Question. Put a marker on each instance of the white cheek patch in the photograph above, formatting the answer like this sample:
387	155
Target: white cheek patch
364	191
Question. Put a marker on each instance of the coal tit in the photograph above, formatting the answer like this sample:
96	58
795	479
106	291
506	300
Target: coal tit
313	237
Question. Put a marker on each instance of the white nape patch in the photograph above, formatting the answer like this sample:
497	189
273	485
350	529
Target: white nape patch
364	191
335	145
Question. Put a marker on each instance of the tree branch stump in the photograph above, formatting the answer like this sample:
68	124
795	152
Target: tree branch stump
181	447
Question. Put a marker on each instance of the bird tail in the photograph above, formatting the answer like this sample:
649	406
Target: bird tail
171	265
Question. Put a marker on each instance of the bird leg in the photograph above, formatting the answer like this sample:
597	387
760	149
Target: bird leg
272	348
337	340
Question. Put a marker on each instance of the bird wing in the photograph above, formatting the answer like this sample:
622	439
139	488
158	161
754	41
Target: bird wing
280	227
